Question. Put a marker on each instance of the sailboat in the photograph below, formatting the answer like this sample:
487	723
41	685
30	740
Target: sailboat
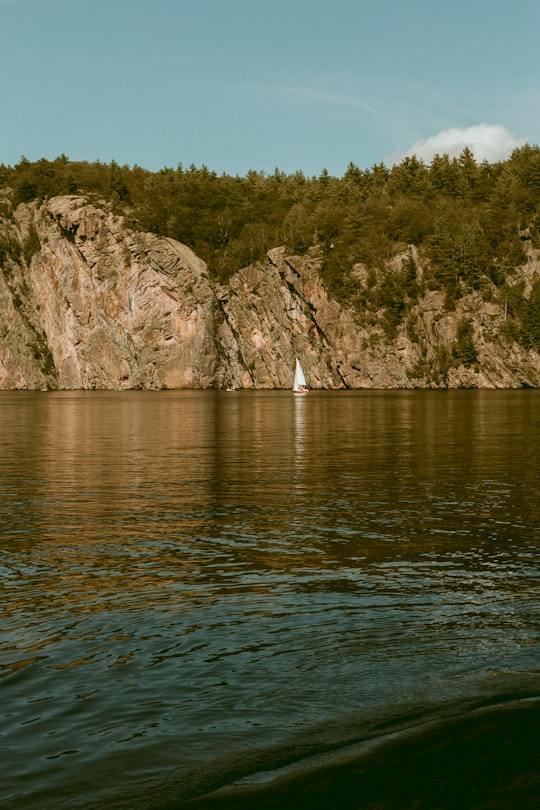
299	385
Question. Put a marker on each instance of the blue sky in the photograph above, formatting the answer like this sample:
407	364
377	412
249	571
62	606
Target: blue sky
258	84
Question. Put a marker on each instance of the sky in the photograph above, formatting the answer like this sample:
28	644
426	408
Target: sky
255	85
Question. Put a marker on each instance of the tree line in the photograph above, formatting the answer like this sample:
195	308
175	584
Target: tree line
467	219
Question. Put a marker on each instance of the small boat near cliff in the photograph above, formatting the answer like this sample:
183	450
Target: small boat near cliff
299	384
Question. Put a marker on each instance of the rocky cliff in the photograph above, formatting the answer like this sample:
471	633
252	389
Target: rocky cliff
87	302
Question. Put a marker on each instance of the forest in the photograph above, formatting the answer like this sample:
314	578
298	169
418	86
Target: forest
468	221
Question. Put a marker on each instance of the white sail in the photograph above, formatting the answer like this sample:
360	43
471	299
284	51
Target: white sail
299	384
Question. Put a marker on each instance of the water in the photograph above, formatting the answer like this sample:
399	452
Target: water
201	586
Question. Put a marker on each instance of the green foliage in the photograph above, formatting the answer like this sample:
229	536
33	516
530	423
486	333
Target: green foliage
117	183
464	350
522	324
445	361
525	166
31	245
9	249
530	318
337	276
468	222
460	250
510	331
392	298
410	281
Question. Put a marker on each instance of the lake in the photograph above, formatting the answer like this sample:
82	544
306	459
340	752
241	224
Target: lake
200	587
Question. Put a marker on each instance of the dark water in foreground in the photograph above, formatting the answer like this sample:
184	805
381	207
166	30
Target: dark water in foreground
198	586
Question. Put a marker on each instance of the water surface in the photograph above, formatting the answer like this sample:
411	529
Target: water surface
199	586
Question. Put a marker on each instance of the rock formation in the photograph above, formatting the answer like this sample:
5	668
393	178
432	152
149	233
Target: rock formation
86	302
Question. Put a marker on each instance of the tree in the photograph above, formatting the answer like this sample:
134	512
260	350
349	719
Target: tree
464	349
117	182
468	172
530	328
409	177
410	281
444	176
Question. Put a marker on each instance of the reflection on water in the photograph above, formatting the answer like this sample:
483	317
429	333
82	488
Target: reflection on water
192	575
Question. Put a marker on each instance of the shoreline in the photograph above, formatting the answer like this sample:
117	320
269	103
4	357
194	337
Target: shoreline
488	758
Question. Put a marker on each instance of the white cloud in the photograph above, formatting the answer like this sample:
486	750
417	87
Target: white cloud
491	142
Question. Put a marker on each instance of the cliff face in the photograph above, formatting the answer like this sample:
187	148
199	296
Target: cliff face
85	302
98	306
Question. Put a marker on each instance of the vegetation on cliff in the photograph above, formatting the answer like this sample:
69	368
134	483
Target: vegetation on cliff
467	222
